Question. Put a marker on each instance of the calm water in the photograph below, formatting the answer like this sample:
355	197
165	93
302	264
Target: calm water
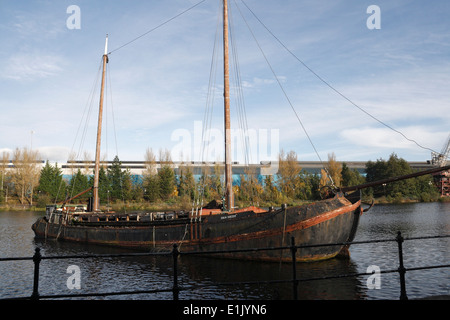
147	273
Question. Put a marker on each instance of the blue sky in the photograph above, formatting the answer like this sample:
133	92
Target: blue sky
158	84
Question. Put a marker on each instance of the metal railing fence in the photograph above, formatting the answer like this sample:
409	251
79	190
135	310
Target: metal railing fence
175	253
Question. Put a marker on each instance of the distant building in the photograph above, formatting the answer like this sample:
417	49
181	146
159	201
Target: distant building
261	170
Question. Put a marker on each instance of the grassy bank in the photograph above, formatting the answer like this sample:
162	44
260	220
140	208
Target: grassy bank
15	207
177	204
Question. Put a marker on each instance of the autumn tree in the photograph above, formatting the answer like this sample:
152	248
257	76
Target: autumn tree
186	185
288	174
250	189
334	169
270	191
25	175
4	162
166	175
216	185
87	161
149	163
204	184
150	177
324	180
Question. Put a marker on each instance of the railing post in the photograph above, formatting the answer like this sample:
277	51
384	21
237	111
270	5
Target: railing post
36	259
294	269
401	268
175	254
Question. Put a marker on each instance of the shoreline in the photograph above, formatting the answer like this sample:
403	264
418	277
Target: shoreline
383	200
164	206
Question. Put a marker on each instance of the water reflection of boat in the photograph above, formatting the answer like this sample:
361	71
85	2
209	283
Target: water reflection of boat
202	270
201	276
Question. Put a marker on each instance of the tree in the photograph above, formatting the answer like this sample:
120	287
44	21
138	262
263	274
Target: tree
25	175
149	163
418	188
376	171
104	186
204	184
426	189
289	170
310	190
77	184
137	187
216	186
270	193
51	183
119	181
250	189
166	182
127	185
187	185
397	167
324	180
4	174
334	169
151	188
350	177
150	179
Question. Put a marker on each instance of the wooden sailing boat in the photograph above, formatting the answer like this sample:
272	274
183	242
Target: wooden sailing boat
333	220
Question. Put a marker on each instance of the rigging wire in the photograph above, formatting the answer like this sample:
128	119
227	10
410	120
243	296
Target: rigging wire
87	113
108	72
287	97
157	27
280	85
332	87
84	119
209	106
240	101
112	110
241	111
207	119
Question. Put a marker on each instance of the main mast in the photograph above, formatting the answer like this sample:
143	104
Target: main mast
96	202
226	94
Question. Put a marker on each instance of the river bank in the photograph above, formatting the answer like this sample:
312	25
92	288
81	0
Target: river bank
182	205
387	200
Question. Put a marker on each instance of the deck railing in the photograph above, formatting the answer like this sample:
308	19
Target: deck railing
176	287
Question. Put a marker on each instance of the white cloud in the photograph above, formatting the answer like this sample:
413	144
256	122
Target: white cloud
54	153
370	137
27	66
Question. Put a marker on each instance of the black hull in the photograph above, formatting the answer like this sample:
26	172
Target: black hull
328	221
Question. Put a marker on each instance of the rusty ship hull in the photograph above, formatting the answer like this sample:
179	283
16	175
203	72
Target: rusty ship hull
333	220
